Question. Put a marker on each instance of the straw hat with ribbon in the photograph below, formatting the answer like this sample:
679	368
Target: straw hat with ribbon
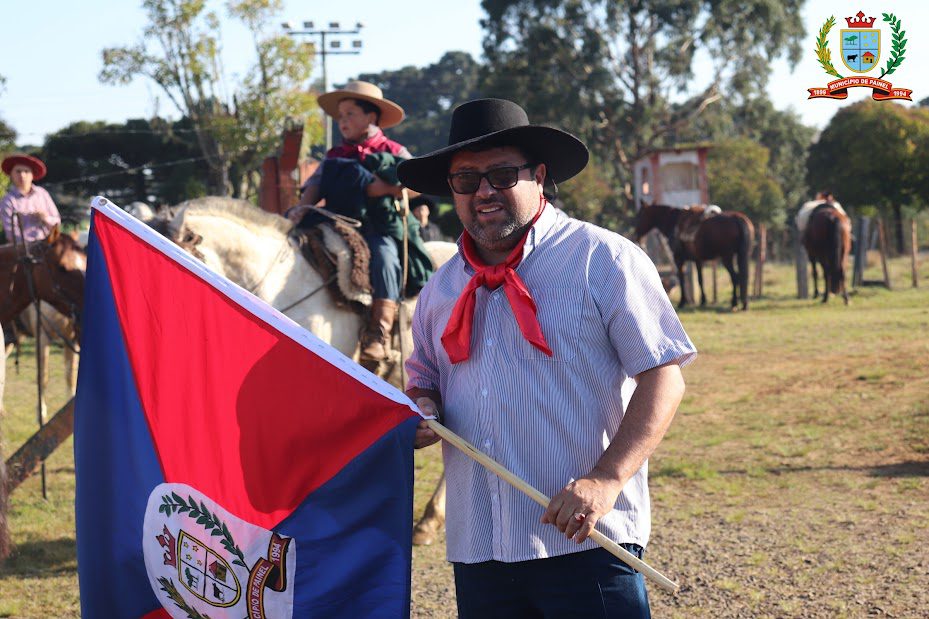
391	113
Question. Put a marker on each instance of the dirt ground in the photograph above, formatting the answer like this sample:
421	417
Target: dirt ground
794	481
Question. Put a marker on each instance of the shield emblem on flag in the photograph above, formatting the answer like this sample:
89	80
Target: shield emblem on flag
861	48
204	573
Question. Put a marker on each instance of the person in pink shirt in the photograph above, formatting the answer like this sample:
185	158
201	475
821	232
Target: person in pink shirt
37	213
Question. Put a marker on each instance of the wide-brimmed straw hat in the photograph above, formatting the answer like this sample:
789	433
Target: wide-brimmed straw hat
38	168
491	123
391	113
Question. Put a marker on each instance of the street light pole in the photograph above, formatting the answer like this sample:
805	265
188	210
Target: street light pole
334	48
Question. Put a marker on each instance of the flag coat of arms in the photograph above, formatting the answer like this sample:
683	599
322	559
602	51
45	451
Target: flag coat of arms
229	463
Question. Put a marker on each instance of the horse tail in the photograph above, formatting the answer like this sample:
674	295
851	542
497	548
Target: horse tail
744	255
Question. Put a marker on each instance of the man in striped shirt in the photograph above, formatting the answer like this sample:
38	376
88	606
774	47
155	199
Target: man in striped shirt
549	344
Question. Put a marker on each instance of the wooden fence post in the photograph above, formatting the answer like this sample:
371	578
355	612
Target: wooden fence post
4	495
914	251
803	269
882	240
861	251
759	265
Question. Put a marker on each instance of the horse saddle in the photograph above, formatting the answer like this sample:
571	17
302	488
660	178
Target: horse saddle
688	224
342	257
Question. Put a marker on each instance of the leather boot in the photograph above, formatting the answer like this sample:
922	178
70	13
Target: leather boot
375	339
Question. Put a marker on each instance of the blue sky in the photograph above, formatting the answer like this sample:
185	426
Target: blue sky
51	60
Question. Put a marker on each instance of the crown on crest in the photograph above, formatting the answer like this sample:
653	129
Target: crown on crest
861	22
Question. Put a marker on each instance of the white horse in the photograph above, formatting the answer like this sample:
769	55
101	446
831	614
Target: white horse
252	248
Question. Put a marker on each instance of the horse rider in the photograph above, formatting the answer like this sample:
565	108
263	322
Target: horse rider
549	344
362	114
421	207
37	213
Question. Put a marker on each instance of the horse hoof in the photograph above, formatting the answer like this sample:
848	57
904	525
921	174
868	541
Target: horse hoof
423	535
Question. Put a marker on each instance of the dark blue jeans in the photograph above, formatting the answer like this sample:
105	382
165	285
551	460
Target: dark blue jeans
587	584
386	270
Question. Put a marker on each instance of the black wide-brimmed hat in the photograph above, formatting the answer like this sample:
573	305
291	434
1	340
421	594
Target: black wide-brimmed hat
491	123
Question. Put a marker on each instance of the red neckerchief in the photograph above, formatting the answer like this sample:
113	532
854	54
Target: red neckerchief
457	336
376	143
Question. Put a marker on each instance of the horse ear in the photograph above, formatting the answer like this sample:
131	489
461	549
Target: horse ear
53	234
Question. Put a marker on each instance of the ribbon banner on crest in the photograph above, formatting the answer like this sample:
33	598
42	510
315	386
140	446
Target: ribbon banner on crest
882	89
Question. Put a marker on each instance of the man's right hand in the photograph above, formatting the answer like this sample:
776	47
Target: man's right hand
425	436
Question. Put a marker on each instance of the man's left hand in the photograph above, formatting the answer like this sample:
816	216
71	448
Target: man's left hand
577	508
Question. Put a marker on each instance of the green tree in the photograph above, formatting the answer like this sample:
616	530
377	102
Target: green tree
609	70
782	133
7	141
868	156
739	178
236	124
148	160
427	95
590	196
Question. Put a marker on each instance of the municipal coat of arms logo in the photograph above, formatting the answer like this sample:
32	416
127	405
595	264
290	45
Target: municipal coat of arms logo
860	53
202	561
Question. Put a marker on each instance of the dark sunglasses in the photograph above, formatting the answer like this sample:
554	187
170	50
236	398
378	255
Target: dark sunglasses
499	178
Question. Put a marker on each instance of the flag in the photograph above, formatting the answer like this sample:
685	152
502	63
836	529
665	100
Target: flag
229	463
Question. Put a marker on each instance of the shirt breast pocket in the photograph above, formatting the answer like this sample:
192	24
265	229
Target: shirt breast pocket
560	313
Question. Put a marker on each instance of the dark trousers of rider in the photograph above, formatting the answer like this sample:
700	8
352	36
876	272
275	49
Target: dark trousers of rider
587	584
386	270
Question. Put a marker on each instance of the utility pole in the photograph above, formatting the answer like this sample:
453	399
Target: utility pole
334	32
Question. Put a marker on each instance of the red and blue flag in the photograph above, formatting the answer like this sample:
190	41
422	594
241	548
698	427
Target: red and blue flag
229	463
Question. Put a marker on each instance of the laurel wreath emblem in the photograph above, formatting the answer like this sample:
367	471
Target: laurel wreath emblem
898	48
167	585
210	522
823	54
899	44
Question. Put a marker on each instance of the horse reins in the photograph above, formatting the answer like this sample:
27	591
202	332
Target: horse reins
280	255
331	279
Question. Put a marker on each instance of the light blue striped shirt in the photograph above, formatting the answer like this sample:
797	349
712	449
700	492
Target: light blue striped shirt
607	318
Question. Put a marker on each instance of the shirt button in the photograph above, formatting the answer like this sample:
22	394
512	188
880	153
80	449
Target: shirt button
484	392
490	341
487	443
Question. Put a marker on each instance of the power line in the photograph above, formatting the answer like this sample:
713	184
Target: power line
120	132
94	177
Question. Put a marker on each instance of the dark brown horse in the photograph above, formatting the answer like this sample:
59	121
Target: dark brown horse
695	236
51	270
828	240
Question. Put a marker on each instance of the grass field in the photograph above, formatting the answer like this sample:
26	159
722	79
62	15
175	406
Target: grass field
794	481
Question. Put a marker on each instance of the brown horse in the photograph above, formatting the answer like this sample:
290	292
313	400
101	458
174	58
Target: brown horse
51	270
695	236
828	240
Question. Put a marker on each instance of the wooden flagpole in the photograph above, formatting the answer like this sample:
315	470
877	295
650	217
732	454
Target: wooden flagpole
612	547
